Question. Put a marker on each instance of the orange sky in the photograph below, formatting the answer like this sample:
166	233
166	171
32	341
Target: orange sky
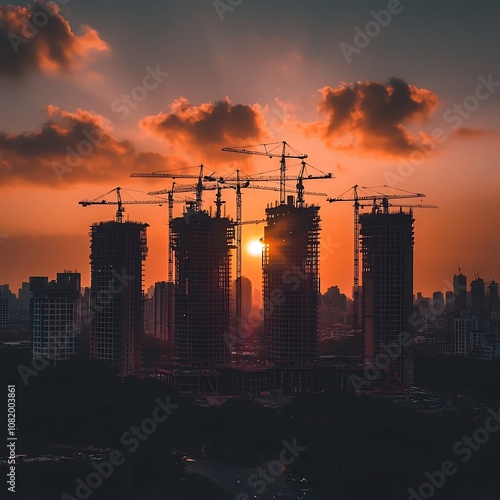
167	95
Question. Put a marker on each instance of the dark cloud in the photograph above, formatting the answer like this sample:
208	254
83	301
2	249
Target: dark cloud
371	117
209	127
73	147
38	38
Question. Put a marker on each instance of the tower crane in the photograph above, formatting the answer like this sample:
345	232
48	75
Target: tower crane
101	200
189	188
272	151
199	186
239	182
368	194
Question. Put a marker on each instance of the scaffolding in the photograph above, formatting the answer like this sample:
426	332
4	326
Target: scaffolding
291	286
202	246
387	293
117	253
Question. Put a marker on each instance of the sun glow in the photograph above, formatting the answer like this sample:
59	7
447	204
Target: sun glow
254	248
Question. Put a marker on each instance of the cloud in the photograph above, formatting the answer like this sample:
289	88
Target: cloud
38	39
73	147
370	117
207	128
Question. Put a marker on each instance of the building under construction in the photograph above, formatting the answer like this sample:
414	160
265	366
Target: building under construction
387	293
290	264
202	246
117	253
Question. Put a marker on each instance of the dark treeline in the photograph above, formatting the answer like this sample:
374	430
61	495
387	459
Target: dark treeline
363	445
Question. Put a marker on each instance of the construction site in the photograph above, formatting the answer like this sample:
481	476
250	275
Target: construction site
290	283
209	351
202	247
387	295
117	252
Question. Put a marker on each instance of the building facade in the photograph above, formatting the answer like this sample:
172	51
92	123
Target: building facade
117	253
387	297
290	264
53	316
202	249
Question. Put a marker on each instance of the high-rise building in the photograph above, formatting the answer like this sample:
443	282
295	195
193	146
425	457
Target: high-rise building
24	297
438	303
493	303
290	263
333	307
117	253
246	296
163	298
202	246
387	298
53	316
4	311
469	333
149	311
460	292
6	293
478	297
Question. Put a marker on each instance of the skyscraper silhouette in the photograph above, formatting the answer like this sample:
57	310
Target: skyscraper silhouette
387	297
202	283
290	265
460	291
117	253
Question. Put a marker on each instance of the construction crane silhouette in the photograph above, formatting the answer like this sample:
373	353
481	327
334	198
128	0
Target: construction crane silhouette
379	201
101	200
271	150
172	175
239	182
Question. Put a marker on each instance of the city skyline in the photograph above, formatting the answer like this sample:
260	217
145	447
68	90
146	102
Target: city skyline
422	128
186	309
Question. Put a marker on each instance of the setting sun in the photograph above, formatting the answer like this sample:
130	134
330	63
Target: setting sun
254	248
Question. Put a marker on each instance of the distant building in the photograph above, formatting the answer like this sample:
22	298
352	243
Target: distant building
149	312
53	316
478	297
387	299
11	298
4	312
163	309
24	297
493	304
438	303
470	331
117	253
333	306
246	296
449	302
291	291
460	292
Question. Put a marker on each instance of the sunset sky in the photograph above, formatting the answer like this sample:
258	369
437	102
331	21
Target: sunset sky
92	91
